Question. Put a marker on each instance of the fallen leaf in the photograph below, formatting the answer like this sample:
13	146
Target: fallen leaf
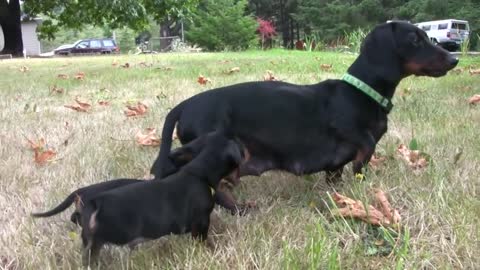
24	69
384	216
42	153
84	104
474	71
103	103
81	106
42	157
269	76
138	110
356	209
412	157
126	65
384	205
326	67
376	161
56	90
148	139
80	76
203	80
62	76
474	100
233	70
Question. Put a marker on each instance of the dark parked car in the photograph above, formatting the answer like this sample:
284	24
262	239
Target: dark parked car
94	45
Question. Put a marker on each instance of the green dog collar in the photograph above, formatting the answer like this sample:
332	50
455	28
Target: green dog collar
369	91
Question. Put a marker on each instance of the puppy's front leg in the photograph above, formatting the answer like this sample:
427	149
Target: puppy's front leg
200	230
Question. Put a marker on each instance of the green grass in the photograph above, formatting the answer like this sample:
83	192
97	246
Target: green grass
293	228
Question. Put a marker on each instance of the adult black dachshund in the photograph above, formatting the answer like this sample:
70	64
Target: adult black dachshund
304	129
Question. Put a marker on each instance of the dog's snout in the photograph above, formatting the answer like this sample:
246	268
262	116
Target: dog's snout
453	61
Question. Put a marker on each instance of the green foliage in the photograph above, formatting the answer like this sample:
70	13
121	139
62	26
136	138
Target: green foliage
355	39
118	14
223	25
330	19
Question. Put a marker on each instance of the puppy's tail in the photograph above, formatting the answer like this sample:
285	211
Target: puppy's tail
160	165
60	208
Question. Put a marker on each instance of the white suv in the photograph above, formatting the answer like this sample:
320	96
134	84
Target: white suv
446	33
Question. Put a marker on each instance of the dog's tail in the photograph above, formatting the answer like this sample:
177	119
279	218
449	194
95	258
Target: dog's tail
60	208
162	166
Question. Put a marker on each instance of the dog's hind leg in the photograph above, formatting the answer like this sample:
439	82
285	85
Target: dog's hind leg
91	252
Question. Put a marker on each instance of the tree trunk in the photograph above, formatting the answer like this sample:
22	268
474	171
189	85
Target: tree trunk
11	26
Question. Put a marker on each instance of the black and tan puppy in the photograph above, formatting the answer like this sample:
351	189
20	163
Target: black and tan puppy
178	158
178	204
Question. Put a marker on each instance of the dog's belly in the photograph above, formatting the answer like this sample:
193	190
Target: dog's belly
319	158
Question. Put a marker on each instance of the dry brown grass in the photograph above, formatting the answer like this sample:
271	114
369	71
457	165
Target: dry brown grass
292	229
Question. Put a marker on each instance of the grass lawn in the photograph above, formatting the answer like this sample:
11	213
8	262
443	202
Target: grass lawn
292	227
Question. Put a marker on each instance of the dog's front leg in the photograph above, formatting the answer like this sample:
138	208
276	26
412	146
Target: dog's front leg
364	153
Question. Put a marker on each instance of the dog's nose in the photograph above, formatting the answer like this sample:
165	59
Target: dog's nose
453	61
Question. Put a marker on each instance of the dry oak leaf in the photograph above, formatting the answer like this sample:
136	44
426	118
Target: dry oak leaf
148	139
42	153
326	67
384	205
56	90
233	70
474	100
269	76
474	71
103	103
203	80
138	110
24	69
384	216
376	161
81	106
80	76
62	76
412	157
42	157
355	209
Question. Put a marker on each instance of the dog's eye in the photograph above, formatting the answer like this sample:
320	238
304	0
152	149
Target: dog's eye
414	40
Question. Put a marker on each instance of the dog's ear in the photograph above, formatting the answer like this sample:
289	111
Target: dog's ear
380	50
